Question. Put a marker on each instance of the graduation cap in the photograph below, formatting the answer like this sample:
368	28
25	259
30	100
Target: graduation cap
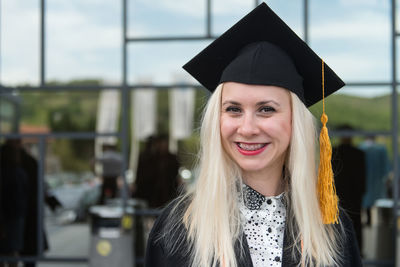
261	49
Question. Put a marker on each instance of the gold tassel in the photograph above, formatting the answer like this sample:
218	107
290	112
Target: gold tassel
328	200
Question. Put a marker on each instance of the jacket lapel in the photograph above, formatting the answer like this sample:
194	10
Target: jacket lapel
243	257
287	253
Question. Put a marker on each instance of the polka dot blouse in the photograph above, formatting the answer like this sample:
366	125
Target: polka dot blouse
264	226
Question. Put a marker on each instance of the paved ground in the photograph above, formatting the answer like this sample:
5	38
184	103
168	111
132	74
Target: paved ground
68	241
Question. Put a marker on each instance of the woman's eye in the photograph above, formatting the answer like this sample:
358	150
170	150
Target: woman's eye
267	109
233	109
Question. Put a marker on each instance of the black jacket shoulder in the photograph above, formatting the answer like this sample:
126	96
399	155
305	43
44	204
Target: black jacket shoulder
158	252
351	251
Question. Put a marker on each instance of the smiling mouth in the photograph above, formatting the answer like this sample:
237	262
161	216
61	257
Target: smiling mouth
250	147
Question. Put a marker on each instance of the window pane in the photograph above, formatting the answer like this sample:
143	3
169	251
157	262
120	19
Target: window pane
227	12
61	112
161	62
398	114
397	60
19	36
397	15
70	179
9	110
166	18
367	109
353	38
83	40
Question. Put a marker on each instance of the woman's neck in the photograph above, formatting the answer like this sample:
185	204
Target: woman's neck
268	182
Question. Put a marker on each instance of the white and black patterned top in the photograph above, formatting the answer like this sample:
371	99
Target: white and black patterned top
264	226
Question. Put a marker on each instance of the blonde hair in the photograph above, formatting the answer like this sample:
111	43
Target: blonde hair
320	242
212	218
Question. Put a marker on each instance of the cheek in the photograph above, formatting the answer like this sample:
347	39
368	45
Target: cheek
282	130
287	131
227	128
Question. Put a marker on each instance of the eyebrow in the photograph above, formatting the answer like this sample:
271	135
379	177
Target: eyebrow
257	104
231	102
267	102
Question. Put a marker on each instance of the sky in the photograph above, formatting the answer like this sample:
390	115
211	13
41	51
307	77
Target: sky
84	38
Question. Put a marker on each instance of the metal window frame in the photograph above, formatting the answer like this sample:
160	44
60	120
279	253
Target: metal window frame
125	89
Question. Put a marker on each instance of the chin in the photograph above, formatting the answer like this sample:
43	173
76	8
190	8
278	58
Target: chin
252	167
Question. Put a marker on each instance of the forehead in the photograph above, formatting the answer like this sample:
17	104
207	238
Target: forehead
240	92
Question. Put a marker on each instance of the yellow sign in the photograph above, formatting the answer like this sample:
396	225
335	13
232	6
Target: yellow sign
103	248
127	222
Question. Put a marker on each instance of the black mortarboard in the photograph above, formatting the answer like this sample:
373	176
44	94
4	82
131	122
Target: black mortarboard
262	49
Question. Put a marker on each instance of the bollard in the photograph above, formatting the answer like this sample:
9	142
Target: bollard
139	231
382	225
111	237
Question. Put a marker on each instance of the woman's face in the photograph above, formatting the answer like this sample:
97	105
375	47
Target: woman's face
256	125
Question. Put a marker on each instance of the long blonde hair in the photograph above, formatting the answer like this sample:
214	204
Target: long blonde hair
212	218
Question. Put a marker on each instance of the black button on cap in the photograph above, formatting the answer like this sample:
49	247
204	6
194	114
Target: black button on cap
269	201
277	258
269	230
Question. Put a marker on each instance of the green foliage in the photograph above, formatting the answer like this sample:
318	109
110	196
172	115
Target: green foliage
74	154
369	114
361	113
65	112
77	82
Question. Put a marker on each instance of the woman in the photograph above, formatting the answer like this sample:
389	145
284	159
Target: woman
255	202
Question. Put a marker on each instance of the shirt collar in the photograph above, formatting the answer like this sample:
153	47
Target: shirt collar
253	199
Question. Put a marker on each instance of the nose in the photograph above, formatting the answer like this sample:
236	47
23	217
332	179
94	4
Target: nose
248	126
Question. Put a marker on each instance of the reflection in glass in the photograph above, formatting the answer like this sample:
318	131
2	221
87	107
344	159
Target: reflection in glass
367	109
58	112
9	113
166	18
353	38
83	40
19	32
161	62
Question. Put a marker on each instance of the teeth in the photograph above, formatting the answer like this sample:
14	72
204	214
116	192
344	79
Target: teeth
251	147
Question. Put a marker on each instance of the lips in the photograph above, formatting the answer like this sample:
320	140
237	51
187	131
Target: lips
251	149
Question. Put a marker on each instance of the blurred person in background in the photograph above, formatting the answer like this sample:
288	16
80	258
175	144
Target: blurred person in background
14	199
348	164
111	163
157	179
31	235
377	171
19	214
